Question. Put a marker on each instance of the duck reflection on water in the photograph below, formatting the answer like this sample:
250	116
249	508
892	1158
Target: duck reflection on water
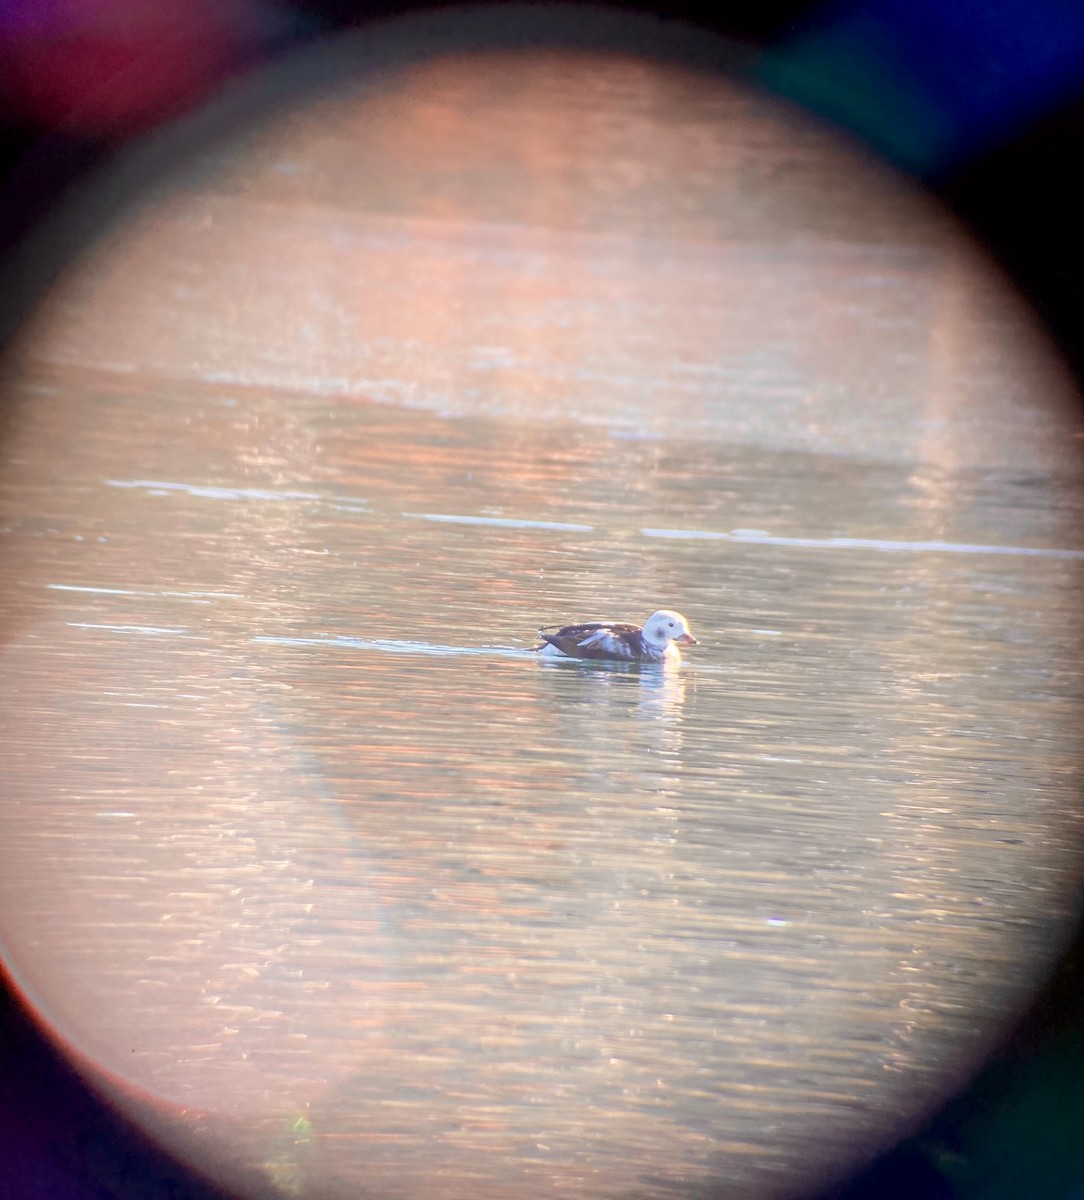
653	691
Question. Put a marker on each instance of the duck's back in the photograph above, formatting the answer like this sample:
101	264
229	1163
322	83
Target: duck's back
597	639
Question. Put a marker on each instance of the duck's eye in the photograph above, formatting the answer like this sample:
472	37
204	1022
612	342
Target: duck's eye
671	624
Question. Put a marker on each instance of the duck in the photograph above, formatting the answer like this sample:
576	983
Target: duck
618	641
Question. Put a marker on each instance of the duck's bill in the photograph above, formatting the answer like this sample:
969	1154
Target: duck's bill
687	638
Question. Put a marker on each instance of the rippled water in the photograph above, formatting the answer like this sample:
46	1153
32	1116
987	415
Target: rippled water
295	811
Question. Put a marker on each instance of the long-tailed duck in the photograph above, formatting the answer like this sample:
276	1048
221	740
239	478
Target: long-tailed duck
654	643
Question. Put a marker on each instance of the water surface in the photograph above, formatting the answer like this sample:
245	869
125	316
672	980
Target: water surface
298	811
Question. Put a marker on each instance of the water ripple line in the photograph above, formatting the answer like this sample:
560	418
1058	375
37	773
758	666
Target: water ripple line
500	522
212	493
150	630
389	646
201	597
760	538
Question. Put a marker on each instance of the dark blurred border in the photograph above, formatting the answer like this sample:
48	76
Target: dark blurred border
1011	175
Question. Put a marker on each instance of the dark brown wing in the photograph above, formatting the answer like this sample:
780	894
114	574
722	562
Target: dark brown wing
587	628
596	639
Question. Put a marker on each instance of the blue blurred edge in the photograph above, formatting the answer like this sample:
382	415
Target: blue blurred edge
931	83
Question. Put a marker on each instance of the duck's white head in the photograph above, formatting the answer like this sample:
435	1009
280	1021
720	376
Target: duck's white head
666	626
